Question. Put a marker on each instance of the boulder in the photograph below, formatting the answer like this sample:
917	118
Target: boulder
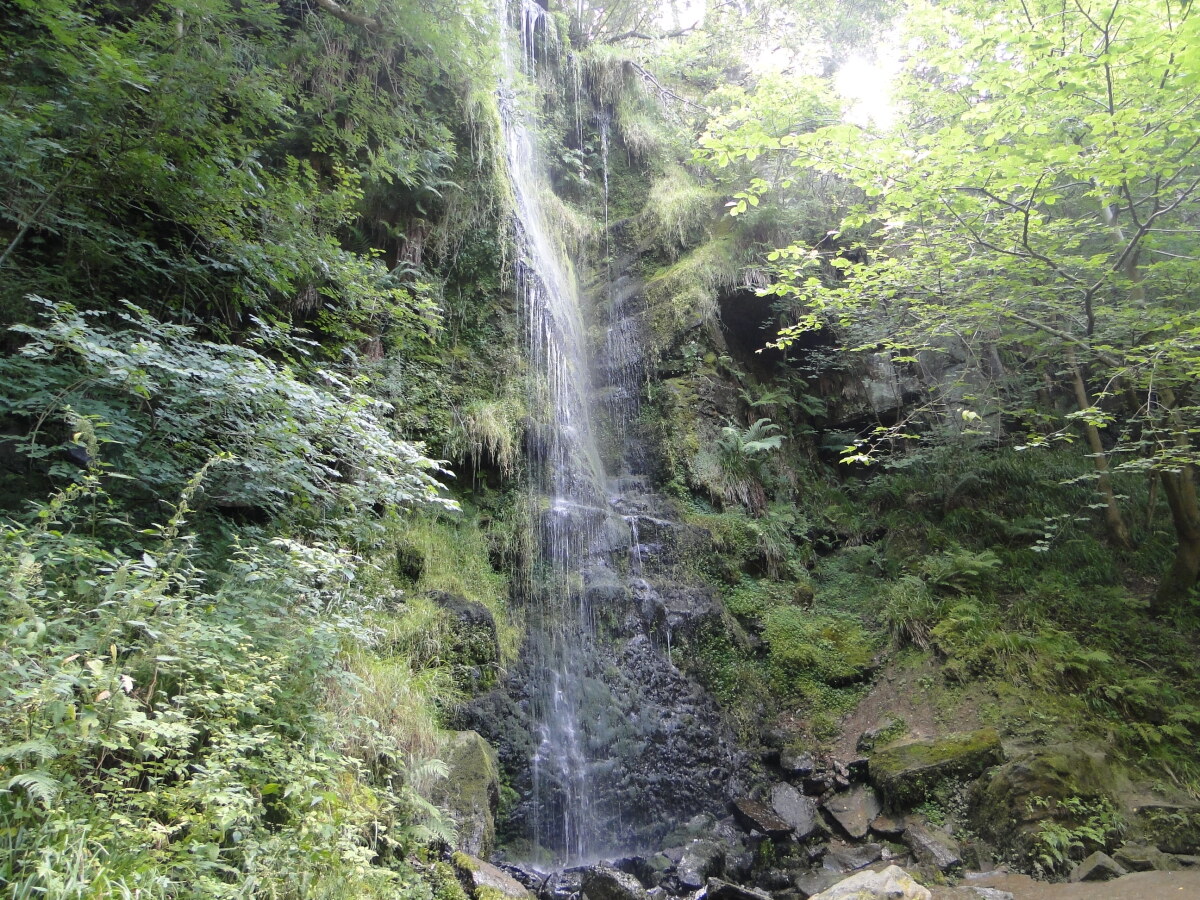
756	816
1144	858
606	883
1097	867
486	882
470	792
893	883
888	827
796	810
906	774
700	860
932	848
723	890
854	810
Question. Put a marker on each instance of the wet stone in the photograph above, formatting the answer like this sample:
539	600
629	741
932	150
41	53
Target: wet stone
756	816
700	860
798	811
857	857
798	764
605	883
854	810
723	890
932	848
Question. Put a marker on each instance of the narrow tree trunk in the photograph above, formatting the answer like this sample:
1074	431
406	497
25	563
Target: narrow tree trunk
1117	531
1180	490
1179	487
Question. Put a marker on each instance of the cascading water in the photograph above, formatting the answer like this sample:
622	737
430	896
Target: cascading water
607	744
567	479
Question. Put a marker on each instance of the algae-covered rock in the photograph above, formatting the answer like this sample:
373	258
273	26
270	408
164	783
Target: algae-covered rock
1010	807
906	774
893	883
471	791
486	882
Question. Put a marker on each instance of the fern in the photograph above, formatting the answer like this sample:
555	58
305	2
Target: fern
41	786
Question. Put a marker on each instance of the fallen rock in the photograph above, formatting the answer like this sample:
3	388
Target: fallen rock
723	890
798	811
756	816
605	883
810	883
488	882
888	826
893	883
701	859
470	792
932	848
906	774
1144	858
1097	867
854	810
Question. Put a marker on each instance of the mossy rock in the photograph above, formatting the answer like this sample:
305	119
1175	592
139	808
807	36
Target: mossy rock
907	774
1171	827
486	882
471	791
1023	796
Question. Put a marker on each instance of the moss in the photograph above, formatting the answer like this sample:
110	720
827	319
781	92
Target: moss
907	774
834	650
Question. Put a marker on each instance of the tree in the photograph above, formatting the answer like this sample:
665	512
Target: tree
1039	202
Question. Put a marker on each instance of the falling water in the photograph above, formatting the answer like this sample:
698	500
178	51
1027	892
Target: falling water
566	490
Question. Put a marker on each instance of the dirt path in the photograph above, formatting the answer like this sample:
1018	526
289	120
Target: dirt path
1138	886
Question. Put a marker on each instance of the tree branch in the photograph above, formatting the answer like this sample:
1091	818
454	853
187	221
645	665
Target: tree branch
340	12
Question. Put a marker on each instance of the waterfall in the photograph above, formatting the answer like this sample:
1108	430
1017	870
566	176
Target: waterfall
567	478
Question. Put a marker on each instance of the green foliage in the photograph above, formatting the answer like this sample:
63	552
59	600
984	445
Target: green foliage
824	648
163	402
1073	829
166	729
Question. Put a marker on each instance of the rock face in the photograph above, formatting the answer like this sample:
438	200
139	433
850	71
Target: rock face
604	883
796	810
893	883
1008	808
854	810
471	791
1171	827
1097	867
487	882
906	774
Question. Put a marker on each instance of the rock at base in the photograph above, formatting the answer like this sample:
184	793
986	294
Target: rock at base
906	774
487	882
1144	858
700	860
470	793
893	883
723	890
933	849
851	859
605	883
1097	867
796	810
854	810
755	816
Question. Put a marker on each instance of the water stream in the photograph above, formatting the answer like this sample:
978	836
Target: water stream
567	478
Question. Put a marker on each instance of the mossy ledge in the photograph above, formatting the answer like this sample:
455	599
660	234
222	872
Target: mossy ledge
906	774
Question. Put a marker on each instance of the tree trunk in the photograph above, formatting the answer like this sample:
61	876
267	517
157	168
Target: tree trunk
1117	532
1180	490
